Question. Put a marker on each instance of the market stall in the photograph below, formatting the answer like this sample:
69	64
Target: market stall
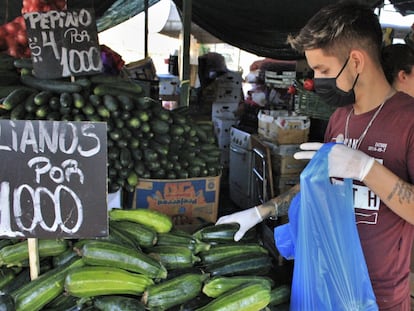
116	205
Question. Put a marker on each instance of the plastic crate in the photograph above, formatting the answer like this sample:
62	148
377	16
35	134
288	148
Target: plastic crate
309	104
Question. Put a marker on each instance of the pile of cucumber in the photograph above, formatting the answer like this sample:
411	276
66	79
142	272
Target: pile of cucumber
144	139
145	263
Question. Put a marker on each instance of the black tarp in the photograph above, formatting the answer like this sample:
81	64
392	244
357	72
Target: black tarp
259	27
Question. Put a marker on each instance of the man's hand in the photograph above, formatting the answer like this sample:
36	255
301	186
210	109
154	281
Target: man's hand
247	219
344	162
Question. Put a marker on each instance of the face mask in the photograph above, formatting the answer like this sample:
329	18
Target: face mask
327	90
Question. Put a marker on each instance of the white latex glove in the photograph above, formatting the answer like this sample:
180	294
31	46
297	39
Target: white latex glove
343	162
247	219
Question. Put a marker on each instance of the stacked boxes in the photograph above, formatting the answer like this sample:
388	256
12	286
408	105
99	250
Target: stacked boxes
283	132
224	111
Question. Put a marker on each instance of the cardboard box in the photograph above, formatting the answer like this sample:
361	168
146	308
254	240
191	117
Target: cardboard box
222	128
282	127
283	161
283	183
225	110
287	164
190	198
168	84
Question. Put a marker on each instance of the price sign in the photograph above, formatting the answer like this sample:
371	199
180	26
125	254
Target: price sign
53	180
63	43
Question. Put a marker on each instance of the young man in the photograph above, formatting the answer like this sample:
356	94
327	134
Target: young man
342	44
398	62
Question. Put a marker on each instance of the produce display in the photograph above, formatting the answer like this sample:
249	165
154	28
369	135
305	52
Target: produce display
178	270
144	139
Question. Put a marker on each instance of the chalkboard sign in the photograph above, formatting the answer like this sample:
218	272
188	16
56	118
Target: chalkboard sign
53	180
63	43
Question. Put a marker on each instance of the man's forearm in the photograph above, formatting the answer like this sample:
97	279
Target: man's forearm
278	206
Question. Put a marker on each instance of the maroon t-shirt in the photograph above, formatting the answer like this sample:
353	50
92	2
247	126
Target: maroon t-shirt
385	237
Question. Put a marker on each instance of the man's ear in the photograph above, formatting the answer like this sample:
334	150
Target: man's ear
401	76
357	60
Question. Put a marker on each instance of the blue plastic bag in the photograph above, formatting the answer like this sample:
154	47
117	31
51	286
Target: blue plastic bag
330	271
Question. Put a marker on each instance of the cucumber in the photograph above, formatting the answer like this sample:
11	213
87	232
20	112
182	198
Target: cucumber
16	97
43	98
78	100
18	112
53	85
115	90
23	63
126	102
29	104
160	127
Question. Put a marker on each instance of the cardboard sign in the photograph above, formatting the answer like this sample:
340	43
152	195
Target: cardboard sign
63	43
53	180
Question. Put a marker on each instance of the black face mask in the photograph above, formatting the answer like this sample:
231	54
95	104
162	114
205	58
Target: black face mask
327	90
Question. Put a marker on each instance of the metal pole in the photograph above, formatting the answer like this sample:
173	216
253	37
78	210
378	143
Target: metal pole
185	79
146	28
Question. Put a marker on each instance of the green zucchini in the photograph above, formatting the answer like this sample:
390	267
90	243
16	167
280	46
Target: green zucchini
222	251
176	238
109	254
249	264
156	220
53	85
92	281
46	287
118	303
279	295
15	254
143	236
222	233
173	292
247	297
173	256
6	302
216	286
7	275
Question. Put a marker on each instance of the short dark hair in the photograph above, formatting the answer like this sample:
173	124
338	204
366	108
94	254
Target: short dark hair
397	57
340	27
